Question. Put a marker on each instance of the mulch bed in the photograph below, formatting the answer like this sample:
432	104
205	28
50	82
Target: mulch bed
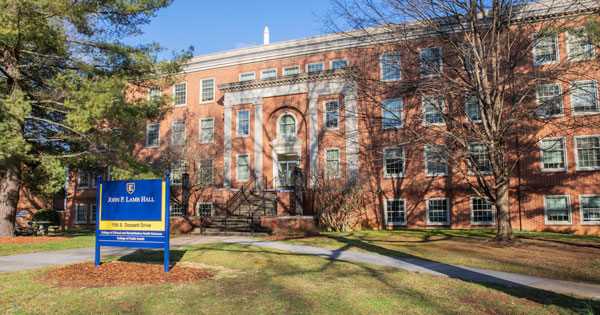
21	240
86	275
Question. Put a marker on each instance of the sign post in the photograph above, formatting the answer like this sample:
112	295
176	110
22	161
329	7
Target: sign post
133	213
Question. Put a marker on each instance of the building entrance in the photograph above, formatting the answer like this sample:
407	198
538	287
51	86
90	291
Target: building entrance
287	165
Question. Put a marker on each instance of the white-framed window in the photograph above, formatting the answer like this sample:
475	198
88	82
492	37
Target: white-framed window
177	170
589	209
81	214
549	100
332	163
314	67
481	156
95	178
584	97
247	76
180	94
392	113
393	162
557	209
176	210
152	135
204	209
205	172
431	61
178	133
395	211
207	90
438	211
332	114
433	108
93	214
389	65
242	167
587	153
580	45
243	123
287	126
553	154
268	73
482	212
154	93
472	109
83	179
291	70
545	49
338	64
207	130
435	164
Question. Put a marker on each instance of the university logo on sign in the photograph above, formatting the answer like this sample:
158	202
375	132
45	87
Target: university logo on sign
130	188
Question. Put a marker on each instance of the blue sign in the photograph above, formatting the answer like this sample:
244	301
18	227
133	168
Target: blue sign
21	214
285	191
133	213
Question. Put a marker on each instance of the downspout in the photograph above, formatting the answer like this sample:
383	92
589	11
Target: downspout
66	196
519	188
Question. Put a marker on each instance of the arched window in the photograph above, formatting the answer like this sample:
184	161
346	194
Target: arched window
287	125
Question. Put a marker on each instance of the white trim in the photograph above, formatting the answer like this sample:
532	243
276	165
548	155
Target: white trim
447	209
580	58
560	95
571	97
425	164
237	168
493	222
284	69
87	185
213	87
581	210
434	74
313	138
237	123
278	132
401	175
334	60
94	219
154	88
325	170
325	114
85	212
212	209
443	107
381	72
212	119
383	111
560	222
173	133
533	50
314	63
245	73
158	132
385	212
227	135
174	95
352	161
577	167
564	143
265	70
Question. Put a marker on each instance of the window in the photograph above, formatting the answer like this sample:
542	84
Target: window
243	168
434	162
243	123
81	214
205	174
177	170
553	154
472	109
83	180
207	90
207	130
204	209
95	178
152	136
269	73
392	113
332	163
549	100
393	162
93	214
590	209
178	136
482	212
154	93
580	45
314	67
545	49
481	156
115	134
584	97
176	210
433	107
287	126
390	67
179	94
557	209
588	152
395	212
291	70
431	61
438	212
247	76
338	64
332	114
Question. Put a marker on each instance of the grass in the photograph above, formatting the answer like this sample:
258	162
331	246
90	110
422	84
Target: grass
251	280
77	239
551	255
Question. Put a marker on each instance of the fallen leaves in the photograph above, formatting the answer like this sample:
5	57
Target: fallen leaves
21	240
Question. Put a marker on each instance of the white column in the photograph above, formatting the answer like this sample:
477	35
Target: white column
352	145
227	147
313	138
258	141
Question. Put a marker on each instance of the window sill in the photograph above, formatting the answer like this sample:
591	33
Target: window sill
554	170
545	63
180	105
590	223
587	169
585	113
207	102
438	223
395	223
394	176
483	223
558	223
436	175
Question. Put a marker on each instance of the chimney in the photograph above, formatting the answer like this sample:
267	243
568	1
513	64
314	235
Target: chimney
266	36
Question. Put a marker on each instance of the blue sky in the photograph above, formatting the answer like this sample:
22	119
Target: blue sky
219	25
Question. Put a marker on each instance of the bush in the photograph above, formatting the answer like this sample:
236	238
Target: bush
46	215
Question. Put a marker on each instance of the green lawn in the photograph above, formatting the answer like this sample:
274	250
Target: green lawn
552	255
252	280
76	239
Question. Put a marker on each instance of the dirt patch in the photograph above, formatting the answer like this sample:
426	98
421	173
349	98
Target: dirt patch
21	240
86	275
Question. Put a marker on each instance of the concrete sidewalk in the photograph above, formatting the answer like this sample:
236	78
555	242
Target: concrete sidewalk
433	268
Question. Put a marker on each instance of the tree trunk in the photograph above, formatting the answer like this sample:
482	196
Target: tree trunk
505	231
9	198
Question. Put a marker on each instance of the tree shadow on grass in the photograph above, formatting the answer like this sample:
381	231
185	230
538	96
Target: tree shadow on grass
149	256
75	233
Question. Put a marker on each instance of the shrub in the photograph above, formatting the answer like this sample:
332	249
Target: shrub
46	215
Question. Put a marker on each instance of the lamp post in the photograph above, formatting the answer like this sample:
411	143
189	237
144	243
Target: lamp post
185	189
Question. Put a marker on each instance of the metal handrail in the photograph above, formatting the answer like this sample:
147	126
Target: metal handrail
228	205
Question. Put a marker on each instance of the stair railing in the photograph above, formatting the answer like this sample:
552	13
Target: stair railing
236	198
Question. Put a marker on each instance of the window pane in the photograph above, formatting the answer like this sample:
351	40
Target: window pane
204	210
557	209
339	64
434	162
545	49
313	67
206	130
331	115
178	133
287	126
332	163
588	152
291	70
549	99
393	161
553	156
176	210
208	90
390	67
472	108
179	93
590	206
481	157
243	128
433	106
396	211
482	211
431	61
246	76
581	45
584	97
177	169
205	176
243	168
152	137
437	211
271	73
392	113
